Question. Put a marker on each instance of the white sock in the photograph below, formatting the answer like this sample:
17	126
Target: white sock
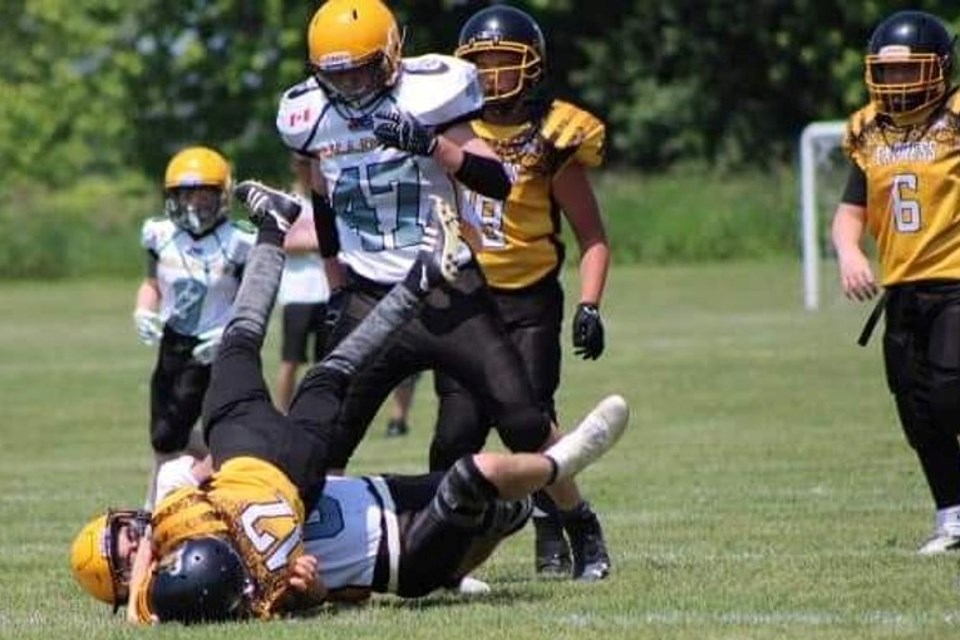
948	520
158	460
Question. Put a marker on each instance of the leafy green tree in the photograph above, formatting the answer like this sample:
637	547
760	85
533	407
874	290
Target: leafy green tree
65	104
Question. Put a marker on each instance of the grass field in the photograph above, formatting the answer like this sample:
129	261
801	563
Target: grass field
763	489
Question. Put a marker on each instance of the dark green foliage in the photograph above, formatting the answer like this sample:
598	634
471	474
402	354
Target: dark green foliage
99	92
103	84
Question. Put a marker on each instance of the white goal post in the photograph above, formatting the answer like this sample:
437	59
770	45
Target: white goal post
818	140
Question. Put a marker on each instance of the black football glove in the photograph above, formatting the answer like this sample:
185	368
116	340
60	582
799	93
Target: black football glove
587	331
402	131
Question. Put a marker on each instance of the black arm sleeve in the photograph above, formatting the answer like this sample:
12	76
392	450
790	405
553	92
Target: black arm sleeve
856	190
324	223
486	176
152	260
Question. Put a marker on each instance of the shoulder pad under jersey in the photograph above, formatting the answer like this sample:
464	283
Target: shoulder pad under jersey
569	127
856	125
438	89
299	113
953	102
156	232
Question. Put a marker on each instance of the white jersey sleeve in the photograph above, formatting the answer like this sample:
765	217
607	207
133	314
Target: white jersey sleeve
175	474
301	109
155	233
439	90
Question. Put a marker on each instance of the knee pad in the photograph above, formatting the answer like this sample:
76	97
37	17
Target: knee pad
508	516
945	403
446	451
524	429
464	495
899	361
913	407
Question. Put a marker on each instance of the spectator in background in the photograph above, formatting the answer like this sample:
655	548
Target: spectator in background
303	291
904	149
399	423
195	259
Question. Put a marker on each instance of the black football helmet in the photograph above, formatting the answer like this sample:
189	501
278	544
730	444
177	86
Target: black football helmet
505	29
202	580
908	65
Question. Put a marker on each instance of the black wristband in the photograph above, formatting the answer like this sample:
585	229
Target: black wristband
324	223
484	175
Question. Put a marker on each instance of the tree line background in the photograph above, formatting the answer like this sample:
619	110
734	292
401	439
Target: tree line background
95	95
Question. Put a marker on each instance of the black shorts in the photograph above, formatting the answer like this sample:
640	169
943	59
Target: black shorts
533	317
240	418
457	332
300	322
439	559
177	388
921	345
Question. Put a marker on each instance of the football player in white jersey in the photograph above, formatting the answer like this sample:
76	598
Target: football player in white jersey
386	133
227	555
195	259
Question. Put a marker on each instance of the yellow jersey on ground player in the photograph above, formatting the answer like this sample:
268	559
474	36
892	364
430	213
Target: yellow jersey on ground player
521	236
913	195
251	503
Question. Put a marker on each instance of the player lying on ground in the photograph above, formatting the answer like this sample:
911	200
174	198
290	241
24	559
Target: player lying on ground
234	547
406	535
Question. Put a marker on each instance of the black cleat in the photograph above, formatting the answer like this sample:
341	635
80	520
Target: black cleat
267	203
553	552
437	261
397	428
591	561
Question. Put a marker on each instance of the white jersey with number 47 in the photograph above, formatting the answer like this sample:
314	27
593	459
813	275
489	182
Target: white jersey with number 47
382	196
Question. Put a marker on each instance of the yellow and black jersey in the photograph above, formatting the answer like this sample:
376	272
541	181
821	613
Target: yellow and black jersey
252	503
521	236
913	191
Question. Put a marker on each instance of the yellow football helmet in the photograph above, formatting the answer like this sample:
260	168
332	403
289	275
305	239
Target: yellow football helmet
197	189
94	555
355	48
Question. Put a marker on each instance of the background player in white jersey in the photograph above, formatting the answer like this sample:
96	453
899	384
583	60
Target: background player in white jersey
303	291
386	134
195	259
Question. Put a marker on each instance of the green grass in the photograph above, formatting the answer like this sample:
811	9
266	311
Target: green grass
763	489
688	214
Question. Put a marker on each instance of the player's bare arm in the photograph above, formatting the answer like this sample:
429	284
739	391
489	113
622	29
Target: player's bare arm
138	576
856	275
573	192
